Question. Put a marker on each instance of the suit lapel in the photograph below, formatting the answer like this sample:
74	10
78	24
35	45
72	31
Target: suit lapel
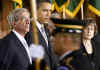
20	46
42	41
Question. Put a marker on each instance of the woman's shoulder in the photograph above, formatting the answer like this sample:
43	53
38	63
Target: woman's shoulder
96	38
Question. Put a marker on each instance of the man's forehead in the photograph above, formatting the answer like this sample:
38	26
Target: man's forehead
45	5
25	14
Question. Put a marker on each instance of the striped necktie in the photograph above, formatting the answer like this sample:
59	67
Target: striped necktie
44	34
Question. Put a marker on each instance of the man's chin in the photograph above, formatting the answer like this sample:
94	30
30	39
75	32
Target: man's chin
27	30
46	21
89	38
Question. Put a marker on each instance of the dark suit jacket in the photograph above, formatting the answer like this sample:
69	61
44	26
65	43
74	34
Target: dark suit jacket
86	61
96	43
48	58
81	60
13	55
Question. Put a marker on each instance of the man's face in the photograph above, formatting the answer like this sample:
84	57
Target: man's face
44	12
23	23
64	42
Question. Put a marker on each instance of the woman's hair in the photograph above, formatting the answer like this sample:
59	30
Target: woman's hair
89	22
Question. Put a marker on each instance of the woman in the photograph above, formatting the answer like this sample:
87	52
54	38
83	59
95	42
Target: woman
89	32
84	59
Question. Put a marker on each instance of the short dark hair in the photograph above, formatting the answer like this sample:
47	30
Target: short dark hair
39	3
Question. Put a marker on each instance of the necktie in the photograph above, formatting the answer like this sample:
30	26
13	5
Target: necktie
44	34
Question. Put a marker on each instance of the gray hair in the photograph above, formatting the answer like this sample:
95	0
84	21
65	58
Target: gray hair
15	14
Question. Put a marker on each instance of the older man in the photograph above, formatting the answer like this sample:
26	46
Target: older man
13	47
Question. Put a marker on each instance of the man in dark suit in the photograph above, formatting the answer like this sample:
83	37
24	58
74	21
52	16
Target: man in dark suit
64	45
43	17
14	50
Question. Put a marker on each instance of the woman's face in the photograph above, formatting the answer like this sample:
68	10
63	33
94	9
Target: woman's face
89	31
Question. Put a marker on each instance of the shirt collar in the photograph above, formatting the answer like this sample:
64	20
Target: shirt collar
20	37
39	25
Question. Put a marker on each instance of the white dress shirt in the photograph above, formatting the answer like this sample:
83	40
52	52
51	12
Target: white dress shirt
23	41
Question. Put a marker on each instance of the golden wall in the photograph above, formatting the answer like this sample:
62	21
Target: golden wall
6	8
